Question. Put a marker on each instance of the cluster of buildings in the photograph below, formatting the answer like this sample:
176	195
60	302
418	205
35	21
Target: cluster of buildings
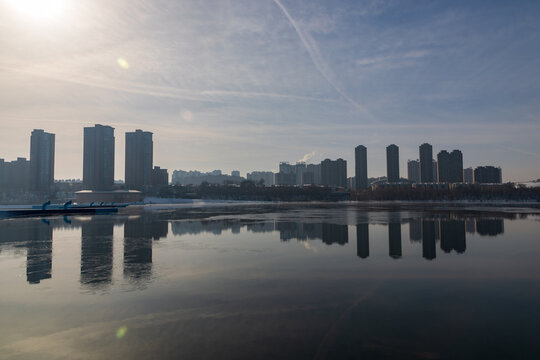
447	169
37	174
181	177
98	160
332	173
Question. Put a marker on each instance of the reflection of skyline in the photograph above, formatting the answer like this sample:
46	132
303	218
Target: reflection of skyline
39	254
97	252
489	227
362	240
453	236
428	240
139	234
35	236
394	240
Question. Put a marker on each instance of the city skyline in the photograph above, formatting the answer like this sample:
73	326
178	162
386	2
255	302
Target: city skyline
277	81
99	154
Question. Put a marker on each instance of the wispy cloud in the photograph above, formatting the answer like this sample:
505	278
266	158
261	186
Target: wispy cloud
318	60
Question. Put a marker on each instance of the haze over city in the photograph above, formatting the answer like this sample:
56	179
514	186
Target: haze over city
244	85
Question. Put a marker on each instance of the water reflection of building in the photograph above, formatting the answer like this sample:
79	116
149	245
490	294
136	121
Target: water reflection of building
489	227
362	240
261	227
394	240
36	236
138	235
470	226
415	230
335	234
39	253
97	251
215	227
428	239
453	235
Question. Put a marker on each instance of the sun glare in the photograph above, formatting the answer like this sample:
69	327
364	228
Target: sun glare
40	9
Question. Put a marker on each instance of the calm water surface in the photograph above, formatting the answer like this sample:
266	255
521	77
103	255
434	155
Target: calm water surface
272	283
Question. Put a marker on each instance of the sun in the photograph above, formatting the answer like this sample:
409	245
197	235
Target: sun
40	9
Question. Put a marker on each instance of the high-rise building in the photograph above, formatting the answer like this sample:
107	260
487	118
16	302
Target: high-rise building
235	173
426	163
450	167
487	175
468	175
392	163
139	159
413	170
334	173
98	162
435	177
41	161
360	166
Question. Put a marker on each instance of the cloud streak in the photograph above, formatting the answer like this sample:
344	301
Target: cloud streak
318	60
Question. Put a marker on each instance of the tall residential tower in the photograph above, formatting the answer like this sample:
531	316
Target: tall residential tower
360	165
41	161
98	162
426	163
139	159
392	163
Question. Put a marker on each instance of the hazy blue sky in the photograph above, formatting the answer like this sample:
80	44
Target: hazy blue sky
246	84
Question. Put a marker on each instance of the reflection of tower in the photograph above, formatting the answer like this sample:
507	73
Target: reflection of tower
335	234
96	251
394	240
39	254
287	230
138	235
415	230
362	240
428	239
490	227
453	235
470	226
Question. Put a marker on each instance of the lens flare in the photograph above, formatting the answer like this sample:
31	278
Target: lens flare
121	332
123	63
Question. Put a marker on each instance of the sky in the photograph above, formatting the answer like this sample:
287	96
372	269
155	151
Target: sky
243	85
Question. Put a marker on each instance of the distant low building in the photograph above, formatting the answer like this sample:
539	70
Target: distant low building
160	177
116	196
468	175
287	179
450	166
413	170
334	173
487	175
16	175
266	176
